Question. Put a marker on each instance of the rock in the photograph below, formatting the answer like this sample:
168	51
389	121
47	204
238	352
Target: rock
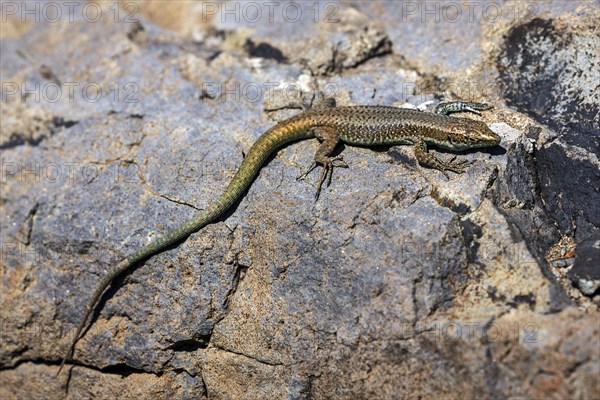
586	272
397	283
549	68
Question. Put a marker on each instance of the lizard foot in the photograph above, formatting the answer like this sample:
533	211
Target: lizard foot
328	166
327	173
451	165
308	171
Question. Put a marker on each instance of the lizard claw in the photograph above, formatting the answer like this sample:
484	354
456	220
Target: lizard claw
325	175
329	164
338	162
308	171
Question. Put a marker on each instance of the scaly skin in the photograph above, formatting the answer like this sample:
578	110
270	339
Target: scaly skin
354	125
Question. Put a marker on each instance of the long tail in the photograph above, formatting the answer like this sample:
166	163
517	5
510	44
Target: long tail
268	143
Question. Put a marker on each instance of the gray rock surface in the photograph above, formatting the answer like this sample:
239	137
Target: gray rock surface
397	283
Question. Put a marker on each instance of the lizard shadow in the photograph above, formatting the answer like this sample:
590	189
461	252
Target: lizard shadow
392	151
112	289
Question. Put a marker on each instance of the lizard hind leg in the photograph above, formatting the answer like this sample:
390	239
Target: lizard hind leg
329	138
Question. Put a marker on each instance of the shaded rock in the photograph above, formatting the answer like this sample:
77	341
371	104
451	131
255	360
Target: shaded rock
586	270
549	69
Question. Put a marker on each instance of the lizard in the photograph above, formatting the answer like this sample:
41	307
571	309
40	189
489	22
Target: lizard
354	125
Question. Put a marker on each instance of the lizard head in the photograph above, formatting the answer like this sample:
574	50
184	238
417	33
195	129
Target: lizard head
469	134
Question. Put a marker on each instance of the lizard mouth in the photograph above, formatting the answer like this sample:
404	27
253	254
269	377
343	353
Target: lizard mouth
491	139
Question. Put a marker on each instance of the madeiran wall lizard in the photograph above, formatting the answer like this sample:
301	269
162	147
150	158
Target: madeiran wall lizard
353	125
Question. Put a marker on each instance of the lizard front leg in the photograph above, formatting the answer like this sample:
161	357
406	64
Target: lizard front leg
329	138
427	159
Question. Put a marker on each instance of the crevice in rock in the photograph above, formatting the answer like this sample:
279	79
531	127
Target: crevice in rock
151	190
460	209
415	304
117	369
183	371
121	369
24	233
264	50
191	345
16	139
259	360
528	299
235	280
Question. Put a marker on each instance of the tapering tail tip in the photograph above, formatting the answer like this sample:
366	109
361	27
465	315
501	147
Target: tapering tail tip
104	283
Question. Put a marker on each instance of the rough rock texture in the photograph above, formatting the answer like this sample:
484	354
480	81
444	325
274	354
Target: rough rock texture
397	283
564	94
